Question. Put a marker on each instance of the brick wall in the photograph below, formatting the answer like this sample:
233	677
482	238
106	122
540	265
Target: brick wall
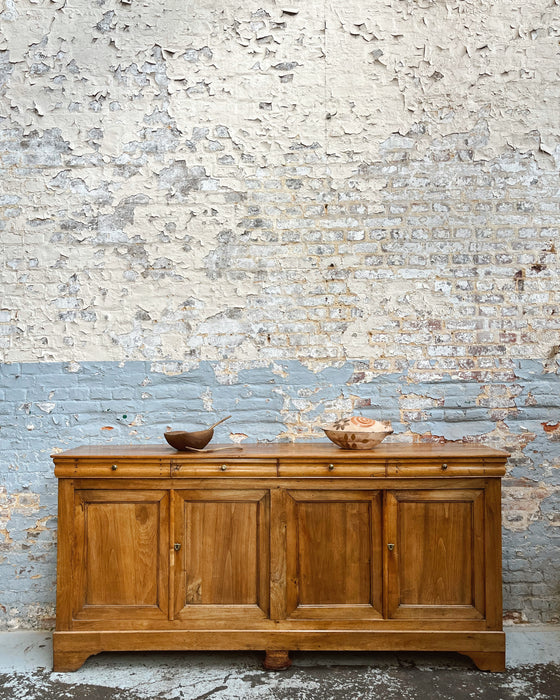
288	215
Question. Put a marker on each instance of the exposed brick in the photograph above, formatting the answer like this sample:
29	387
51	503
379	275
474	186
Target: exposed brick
202	218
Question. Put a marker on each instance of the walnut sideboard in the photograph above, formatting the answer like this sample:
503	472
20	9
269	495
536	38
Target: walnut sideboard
280	547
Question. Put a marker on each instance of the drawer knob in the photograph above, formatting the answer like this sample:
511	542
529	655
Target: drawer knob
390	547
223	467
331	467
114	467
444	466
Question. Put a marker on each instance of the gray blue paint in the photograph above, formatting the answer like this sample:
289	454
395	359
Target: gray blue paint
264	403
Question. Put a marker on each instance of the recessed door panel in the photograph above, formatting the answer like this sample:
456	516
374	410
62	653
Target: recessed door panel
120	554
435	554
338	571
333	554
222	562
121	547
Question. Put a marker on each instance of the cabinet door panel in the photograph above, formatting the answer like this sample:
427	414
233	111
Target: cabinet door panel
333	554
436	566
120	554
338	571
222	565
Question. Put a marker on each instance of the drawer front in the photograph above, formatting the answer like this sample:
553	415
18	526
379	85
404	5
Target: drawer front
442	467
117	468
225	467
338	468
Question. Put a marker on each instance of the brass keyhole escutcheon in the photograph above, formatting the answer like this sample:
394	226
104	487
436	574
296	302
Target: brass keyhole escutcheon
177	546
390	547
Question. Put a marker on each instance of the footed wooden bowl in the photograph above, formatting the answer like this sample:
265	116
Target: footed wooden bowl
355	440
358	433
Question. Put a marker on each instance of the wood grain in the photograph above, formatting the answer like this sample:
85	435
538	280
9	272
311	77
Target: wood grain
70	649
487	660
334	564
285	548
492	544
120	553
277	661
278	554
436	566
309	451
352	640
223	558
64	564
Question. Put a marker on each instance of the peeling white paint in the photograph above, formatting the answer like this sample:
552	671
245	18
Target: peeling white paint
148	136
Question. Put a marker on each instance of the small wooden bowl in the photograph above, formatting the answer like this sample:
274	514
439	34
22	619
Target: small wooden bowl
183	440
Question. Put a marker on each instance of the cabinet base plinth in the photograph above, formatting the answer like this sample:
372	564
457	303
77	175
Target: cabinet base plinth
487	660
72	648
64	661
277	660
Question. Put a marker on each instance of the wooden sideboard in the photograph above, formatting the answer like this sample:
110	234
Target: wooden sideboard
280	547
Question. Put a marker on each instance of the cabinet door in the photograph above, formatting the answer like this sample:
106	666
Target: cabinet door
222	557
333	554
120	555
435	554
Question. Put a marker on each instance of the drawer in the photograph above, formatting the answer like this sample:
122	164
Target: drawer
224	467
117	468
454	467
334	468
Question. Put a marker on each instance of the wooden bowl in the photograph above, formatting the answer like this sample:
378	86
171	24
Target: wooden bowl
183	440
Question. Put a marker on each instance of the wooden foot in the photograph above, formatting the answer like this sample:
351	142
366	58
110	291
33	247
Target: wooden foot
277	660
68	660
487	660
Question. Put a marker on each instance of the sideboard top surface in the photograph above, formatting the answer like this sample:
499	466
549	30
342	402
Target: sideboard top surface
288	452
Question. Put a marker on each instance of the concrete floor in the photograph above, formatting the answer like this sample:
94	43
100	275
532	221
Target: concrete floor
533	672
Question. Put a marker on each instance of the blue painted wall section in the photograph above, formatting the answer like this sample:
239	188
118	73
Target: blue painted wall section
54	406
